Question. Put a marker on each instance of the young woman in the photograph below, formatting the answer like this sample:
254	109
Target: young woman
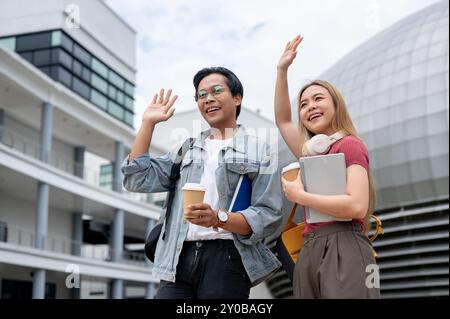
337	258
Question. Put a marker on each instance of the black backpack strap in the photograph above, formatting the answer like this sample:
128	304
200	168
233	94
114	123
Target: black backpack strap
175	174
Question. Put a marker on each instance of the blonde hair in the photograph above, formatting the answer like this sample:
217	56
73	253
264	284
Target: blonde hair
342	123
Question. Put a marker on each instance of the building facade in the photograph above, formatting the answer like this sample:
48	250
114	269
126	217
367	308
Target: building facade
66	122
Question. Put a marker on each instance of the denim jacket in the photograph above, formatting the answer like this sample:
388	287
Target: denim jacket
245	154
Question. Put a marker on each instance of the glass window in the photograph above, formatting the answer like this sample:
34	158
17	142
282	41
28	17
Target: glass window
81	54
99	67
106	169
120	97
3	232
418	71
45	69
66	42
436	83
112	92
437	49
81	88
41	57
99	83
77	68
419	55
115	110
116	80
129	89
65	59
436	102
33	41
10	43
98	99
129	103
129	118
86	74
64	76
56	38
437	65
437	123
27	56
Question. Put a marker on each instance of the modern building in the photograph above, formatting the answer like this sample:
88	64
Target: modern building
396	86
66	101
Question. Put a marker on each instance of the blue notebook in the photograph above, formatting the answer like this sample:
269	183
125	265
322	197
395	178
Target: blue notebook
242	197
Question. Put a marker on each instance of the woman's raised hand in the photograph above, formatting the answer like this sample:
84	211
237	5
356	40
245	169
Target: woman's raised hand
289	54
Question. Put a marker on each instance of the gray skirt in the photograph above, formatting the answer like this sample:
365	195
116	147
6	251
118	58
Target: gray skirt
337	262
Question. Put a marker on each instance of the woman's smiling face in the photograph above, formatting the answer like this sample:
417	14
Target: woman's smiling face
317	110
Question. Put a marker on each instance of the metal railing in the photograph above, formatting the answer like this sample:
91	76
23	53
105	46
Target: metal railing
32	148
26	238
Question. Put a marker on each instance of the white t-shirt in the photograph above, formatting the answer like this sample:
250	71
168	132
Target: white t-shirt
208	180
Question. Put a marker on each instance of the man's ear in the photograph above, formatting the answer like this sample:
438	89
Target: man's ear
237	99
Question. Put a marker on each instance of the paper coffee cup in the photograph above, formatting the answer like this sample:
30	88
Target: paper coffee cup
192	194
290	172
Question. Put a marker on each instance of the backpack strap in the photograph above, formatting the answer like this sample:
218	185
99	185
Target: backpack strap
175	175
290	223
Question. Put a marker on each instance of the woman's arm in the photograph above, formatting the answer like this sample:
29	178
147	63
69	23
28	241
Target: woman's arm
353	204
283	117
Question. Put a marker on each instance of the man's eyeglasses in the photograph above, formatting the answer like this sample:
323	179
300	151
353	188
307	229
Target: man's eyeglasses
216	90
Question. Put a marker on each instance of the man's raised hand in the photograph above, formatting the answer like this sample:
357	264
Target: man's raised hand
160	109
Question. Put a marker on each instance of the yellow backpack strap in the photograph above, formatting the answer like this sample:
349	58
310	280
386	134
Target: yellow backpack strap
290	223
378	227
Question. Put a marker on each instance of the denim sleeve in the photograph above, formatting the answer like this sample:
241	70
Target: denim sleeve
146	174
264	215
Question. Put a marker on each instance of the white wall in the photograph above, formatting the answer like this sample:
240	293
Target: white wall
21	214
26	140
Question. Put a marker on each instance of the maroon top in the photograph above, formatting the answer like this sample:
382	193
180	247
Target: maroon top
355	152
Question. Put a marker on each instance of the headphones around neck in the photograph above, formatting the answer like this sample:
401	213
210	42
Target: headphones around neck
320	144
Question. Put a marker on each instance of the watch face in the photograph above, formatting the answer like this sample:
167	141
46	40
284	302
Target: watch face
223	216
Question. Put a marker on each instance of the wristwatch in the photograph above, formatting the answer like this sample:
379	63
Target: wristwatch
222	217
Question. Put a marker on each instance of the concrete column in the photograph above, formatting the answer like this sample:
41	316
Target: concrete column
43	196
150	292
117	289
46	132
79	161
39	284
119	222
2	123
41	215
77	233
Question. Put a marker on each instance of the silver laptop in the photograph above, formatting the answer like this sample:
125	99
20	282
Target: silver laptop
324	175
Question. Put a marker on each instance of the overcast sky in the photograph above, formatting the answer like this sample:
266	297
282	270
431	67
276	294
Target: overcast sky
176	38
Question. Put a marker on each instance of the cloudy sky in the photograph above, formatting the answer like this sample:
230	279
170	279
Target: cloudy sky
175	38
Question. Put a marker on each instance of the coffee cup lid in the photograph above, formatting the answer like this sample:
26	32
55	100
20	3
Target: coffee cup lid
294	165
194	187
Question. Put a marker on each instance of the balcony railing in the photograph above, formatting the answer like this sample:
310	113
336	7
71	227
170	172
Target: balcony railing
26	238
33	149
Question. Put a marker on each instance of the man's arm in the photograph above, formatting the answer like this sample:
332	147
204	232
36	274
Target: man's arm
141	172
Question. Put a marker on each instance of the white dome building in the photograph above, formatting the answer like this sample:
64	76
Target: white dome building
396	86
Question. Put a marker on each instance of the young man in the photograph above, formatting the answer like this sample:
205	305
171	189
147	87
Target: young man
207	251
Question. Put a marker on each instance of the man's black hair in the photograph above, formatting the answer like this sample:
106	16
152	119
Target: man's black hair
234	84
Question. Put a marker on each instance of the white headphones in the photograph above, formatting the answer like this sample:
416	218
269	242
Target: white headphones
320	144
